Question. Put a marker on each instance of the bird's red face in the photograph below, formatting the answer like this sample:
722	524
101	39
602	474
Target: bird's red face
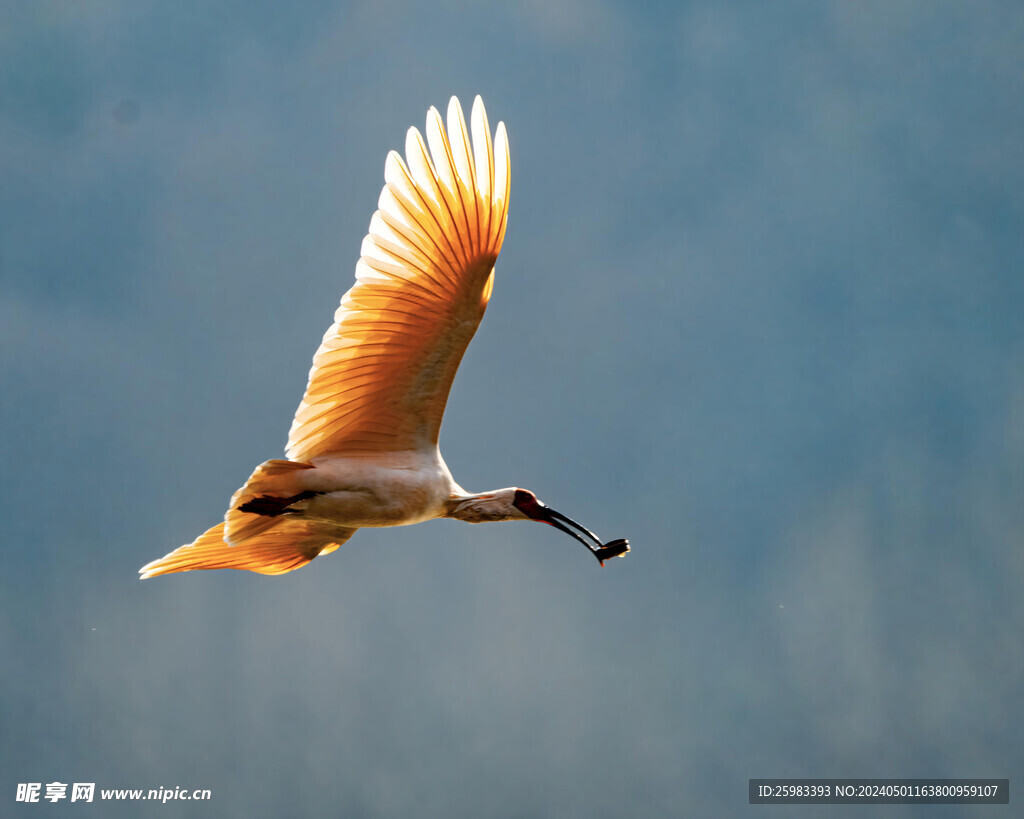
527	503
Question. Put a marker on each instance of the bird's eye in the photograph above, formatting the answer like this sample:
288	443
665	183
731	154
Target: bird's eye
525	501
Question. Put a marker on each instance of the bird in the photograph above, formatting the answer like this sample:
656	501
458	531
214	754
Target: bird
363	450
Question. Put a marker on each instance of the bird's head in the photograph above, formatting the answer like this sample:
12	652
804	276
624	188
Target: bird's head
514	503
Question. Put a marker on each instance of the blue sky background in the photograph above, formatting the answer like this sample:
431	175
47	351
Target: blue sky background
759	310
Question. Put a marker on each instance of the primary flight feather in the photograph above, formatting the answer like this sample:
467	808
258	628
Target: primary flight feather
363	447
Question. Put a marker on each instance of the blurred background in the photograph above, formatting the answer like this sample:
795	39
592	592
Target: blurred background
758	310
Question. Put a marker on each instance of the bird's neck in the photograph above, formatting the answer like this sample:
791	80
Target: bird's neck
482	507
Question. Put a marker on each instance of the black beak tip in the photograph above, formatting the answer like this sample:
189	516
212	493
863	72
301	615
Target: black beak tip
613	548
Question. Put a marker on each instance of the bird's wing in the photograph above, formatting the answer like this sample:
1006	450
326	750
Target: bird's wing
381	377
288	545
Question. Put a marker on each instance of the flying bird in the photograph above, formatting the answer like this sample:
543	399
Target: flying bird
363	447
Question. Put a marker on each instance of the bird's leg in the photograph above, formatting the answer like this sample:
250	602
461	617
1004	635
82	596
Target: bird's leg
272	506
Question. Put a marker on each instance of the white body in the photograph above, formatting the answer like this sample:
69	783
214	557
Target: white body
397	490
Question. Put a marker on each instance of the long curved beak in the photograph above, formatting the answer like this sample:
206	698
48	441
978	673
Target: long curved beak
603	551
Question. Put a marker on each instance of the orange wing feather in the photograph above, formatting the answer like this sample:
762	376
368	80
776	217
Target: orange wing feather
381	377
287	545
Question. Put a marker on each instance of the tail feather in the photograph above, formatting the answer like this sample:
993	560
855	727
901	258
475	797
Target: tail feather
287	546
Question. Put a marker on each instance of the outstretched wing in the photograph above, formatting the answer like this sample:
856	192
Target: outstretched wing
381	377
287	545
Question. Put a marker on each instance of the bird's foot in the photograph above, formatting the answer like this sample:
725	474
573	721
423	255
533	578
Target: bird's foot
273	506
